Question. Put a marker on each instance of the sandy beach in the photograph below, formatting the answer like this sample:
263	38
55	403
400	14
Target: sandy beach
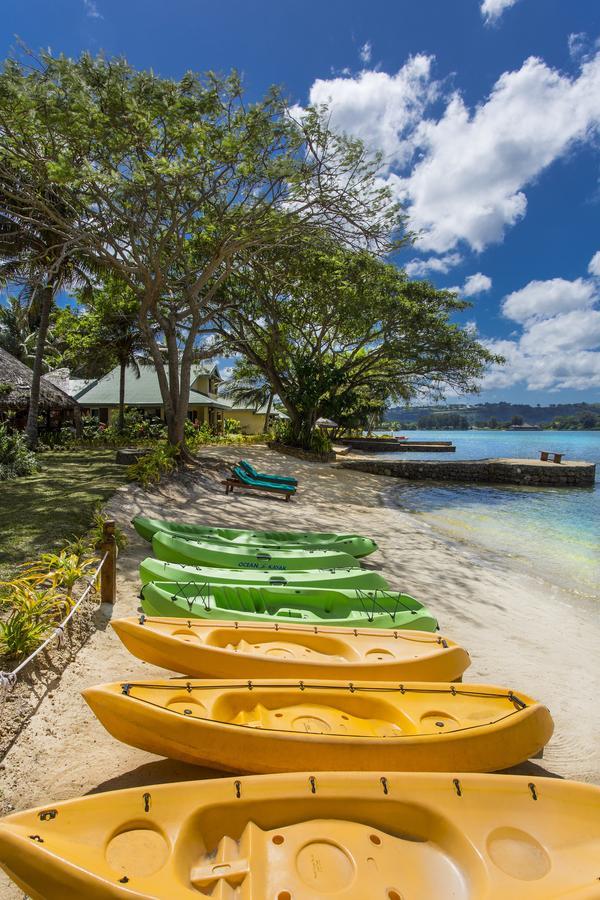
521	632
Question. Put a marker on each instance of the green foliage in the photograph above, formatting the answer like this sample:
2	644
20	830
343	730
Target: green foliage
62	570
444	422
169	184
103	331
283	432
38	599
5	388
15	459
586	420
20	634
95	534
337	332
138	430
232	426
150	468
320	441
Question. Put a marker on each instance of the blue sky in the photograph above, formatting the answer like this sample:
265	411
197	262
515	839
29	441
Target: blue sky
487	111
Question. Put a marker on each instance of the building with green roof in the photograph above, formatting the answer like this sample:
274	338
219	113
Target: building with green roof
100	398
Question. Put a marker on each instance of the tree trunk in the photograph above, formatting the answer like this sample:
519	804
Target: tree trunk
123	369
268	413
31	429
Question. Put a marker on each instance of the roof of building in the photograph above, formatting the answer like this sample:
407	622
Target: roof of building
144	390
71	386
18	377
227	403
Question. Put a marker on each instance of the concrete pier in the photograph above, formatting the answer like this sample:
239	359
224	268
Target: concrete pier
568	473
393	445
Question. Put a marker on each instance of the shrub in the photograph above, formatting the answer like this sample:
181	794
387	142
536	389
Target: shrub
62	570
15	458
232	426
34	611
283	432
150	468
96	533
320	441
40	597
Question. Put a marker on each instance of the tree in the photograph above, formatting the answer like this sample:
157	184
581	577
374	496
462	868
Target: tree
36	254
361	409
167	183
248	386
16	332
106	334
516	420
19	335
323	323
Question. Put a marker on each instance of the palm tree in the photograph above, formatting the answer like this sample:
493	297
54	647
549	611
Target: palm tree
16	332
249	387
107	332
41	260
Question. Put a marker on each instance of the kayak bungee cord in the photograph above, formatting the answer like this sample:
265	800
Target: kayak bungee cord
352	688
421	637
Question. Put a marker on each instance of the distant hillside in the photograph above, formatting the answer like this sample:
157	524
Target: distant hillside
484	413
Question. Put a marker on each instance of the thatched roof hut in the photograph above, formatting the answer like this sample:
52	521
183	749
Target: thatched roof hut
15	385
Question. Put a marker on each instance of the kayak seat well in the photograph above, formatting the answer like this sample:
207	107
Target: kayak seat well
330	713
307	645
314	850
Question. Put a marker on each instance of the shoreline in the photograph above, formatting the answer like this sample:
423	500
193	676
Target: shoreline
521	564
521	634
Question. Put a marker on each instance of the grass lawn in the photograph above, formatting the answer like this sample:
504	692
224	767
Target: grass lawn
38	512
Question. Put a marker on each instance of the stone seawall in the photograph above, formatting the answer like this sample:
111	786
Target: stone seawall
483	471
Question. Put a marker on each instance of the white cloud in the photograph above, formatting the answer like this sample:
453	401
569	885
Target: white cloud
540	299
463	174
442	264
558	346
594	266
469	186
491	10
575	330
476	284
365	52
383	110
92	10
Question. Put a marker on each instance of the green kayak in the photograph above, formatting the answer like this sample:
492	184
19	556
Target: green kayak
152	569
355	609
203	553
354	544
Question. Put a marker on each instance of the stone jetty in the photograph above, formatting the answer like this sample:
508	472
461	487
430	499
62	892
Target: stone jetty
568	473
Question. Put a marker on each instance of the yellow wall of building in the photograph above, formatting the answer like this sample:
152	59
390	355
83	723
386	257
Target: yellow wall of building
252	423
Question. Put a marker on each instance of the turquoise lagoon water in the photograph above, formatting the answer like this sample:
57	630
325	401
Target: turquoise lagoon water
551	532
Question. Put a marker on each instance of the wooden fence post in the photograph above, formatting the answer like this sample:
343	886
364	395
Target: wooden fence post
108	572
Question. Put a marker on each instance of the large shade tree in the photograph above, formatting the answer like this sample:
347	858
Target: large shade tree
328	326
168	183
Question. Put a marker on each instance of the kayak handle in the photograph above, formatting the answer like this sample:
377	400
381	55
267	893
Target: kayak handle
263	556
274	580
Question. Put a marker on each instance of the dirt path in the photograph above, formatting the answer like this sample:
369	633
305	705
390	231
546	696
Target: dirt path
520	633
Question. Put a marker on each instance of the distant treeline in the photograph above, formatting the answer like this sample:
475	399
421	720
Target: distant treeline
562	417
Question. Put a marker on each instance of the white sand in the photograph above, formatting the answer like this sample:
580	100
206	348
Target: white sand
521	633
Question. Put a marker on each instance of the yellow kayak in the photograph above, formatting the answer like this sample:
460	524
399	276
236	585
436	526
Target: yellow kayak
352	836
246	650
286	726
